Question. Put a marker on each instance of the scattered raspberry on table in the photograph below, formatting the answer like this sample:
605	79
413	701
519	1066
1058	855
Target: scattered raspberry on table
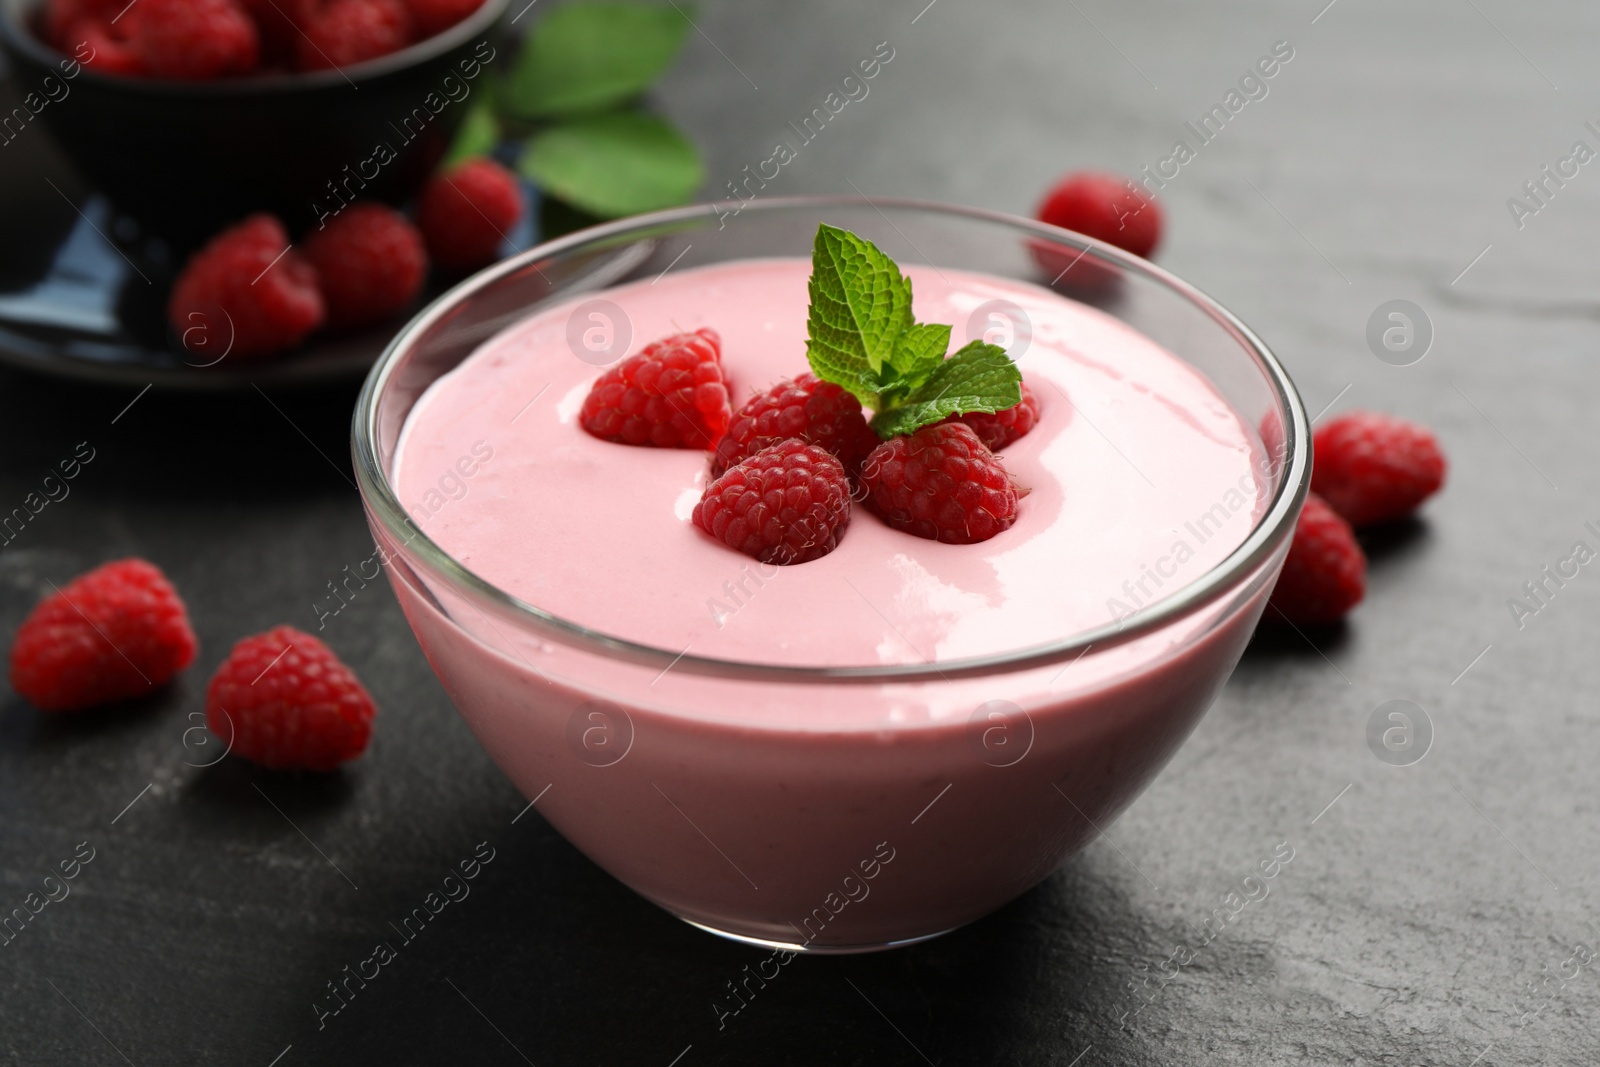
466	213
370	263
246	293
787	504
671	395
117	632
284	700
1373	468
1108	208
941	483
1325	574
817	412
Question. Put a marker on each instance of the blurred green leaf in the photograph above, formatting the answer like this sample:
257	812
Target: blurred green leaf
478	134
587	57
614	165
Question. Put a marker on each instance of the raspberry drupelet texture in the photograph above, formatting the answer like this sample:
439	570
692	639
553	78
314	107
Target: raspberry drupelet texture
941	483
788	503
999	429
467	212
370	262
244	295
670	395
1374	468
192	40
812	410
1325	574
350	31
118	631
284	700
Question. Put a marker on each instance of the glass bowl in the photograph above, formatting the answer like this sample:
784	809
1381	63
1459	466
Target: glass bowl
713	787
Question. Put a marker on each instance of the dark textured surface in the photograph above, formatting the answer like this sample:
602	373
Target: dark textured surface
1426	915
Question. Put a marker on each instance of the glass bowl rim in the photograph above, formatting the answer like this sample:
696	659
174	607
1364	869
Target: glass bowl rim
1270	530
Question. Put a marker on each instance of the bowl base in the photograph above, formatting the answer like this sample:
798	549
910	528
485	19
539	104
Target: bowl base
800	947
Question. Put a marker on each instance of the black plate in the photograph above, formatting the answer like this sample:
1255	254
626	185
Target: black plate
95	309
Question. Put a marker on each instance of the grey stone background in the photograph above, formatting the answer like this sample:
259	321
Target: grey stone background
1429	909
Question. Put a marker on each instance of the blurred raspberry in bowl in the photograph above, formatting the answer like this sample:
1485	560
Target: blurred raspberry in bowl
191	114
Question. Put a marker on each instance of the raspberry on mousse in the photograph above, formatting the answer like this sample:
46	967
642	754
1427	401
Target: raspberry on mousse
820	413
786	504
998	429
941	483
672	394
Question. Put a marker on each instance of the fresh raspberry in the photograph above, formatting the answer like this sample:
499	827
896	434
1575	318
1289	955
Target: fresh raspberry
192	40
786	504
1108	208
467	212
671	395
59	17
282	699
1325	574
941	483
1374	468
101	47
116	632
998	430
434	16
815	411
351	31
370	261
237	290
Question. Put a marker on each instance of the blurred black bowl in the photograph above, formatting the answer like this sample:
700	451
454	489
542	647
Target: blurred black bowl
187	158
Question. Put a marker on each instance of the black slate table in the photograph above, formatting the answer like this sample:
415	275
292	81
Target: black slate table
1438	912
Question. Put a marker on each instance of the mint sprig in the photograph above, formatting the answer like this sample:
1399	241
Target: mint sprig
863	339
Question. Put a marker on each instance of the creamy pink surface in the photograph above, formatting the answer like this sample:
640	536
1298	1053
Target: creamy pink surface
765	807
1132	450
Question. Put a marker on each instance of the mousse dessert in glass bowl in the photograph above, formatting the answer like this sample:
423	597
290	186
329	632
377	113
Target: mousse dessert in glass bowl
965	662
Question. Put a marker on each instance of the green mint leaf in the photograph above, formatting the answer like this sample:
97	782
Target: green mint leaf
917	353
860	307
614	165
979	377
478	135
588	57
